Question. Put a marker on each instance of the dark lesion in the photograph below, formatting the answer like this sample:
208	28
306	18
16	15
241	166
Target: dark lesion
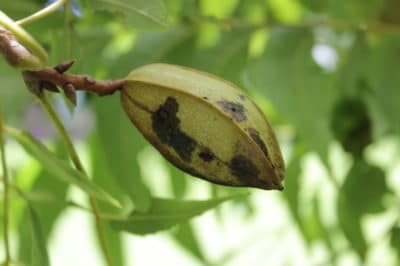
166	125
206	155
243	168
255	136
235	110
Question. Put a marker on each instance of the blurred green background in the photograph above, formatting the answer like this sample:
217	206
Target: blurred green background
325	72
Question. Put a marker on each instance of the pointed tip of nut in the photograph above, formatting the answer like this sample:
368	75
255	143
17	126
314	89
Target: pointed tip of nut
278	186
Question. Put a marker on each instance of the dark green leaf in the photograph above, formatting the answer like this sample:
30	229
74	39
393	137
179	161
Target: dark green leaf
38	244
58	168
287	75
138	13
164	214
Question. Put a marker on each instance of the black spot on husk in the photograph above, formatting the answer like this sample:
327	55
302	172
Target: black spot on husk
206	155
235	110
244	169
255	135
167	127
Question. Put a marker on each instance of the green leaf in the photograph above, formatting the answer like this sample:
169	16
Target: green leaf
164	214
356	10
47	213
364	188
58	168
117	146
292	191
138	13
384	79
151	47
103	177
287	75
350	223
351	74
395	239
314	5
14	97
228	57
361	193
186	236
38	244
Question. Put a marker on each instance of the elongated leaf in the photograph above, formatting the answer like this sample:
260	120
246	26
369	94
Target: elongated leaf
103	177
138	13
47	213
58	168
38	245
119	143
185	235
165	213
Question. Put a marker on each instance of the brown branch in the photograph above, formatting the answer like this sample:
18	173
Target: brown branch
76	82
49	78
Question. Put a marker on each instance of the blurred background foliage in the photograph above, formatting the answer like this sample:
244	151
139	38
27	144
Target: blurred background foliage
327	75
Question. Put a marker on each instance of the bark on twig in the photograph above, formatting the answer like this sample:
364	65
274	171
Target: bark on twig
50	78
79	82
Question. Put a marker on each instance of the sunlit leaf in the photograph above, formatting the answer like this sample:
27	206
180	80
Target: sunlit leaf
164	214
58	168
